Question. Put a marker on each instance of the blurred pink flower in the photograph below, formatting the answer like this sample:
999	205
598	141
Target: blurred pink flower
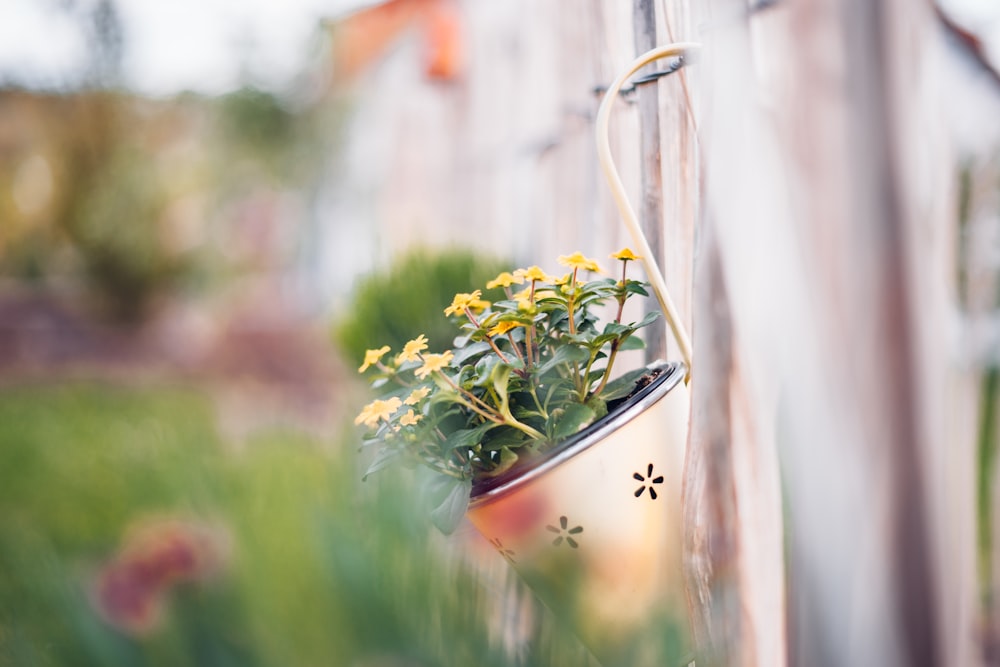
130	589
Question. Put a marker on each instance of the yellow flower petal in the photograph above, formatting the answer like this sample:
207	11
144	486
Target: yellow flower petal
411	351
410	418
462	301
523	295
578	261
372	357
416	396
478	305
378	410
364	417
626	255
505	279
534	273
503	327
434	362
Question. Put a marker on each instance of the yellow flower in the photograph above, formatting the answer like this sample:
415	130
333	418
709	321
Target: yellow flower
503	327
578	261
416	396
463	301
523	295
534	273
411	351
479	305
410	418
372	357
505	279
564	280
626	255
376	410
434	362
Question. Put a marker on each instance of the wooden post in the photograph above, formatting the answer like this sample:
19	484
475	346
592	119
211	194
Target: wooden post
650	210
820	206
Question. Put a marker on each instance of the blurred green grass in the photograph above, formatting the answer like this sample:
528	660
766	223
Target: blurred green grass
324	569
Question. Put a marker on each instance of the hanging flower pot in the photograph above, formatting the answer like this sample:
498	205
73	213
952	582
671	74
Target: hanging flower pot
570	468
594	527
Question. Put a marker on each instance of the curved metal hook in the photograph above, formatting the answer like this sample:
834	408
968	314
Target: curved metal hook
618	190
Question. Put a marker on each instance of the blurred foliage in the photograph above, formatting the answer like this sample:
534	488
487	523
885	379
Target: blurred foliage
392	306
324	570
115	233
256	125
134	198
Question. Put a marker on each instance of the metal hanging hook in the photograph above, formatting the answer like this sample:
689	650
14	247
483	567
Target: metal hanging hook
621	199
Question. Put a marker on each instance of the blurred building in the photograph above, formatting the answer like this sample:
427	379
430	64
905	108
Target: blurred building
472	123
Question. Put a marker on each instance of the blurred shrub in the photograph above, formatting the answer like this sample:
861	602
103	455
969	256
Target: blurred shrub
134	198
255	125
320	568
393	306
118	233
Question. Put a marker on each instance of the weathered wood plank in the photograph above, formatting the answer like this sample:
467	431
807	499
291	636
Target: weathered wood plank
650	205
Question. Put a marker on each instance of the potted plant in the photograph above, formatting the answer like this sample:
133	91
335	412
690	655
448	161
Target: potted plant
572	474
510	419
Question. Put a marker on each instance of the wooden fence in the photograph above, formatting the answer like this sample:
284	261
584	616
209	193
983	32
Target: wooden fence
805	196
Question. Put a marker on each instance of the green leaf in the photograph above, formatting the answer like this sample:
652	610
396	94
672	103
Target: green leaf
385	457
500	377
573	418
599	406
623	385
602	340
445	394
485	369
469	351
564	355
506	437
631	343
599	285
450	499
650	317
616	329
635	287
508	458
466	437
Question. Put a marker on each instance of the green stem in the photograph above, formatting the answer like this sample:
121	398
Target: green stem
486	411
517	351
538	403
572	298
987	455
433	461
524	428
510	420
393	373
530	332
607	369
489	339
577	380
483	413
586	374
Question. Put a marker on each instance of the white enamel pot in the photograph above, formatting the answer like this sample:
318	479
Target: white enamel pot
594	527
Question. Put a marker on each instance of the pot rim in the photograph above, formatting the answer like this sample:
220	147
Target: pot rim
672	374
